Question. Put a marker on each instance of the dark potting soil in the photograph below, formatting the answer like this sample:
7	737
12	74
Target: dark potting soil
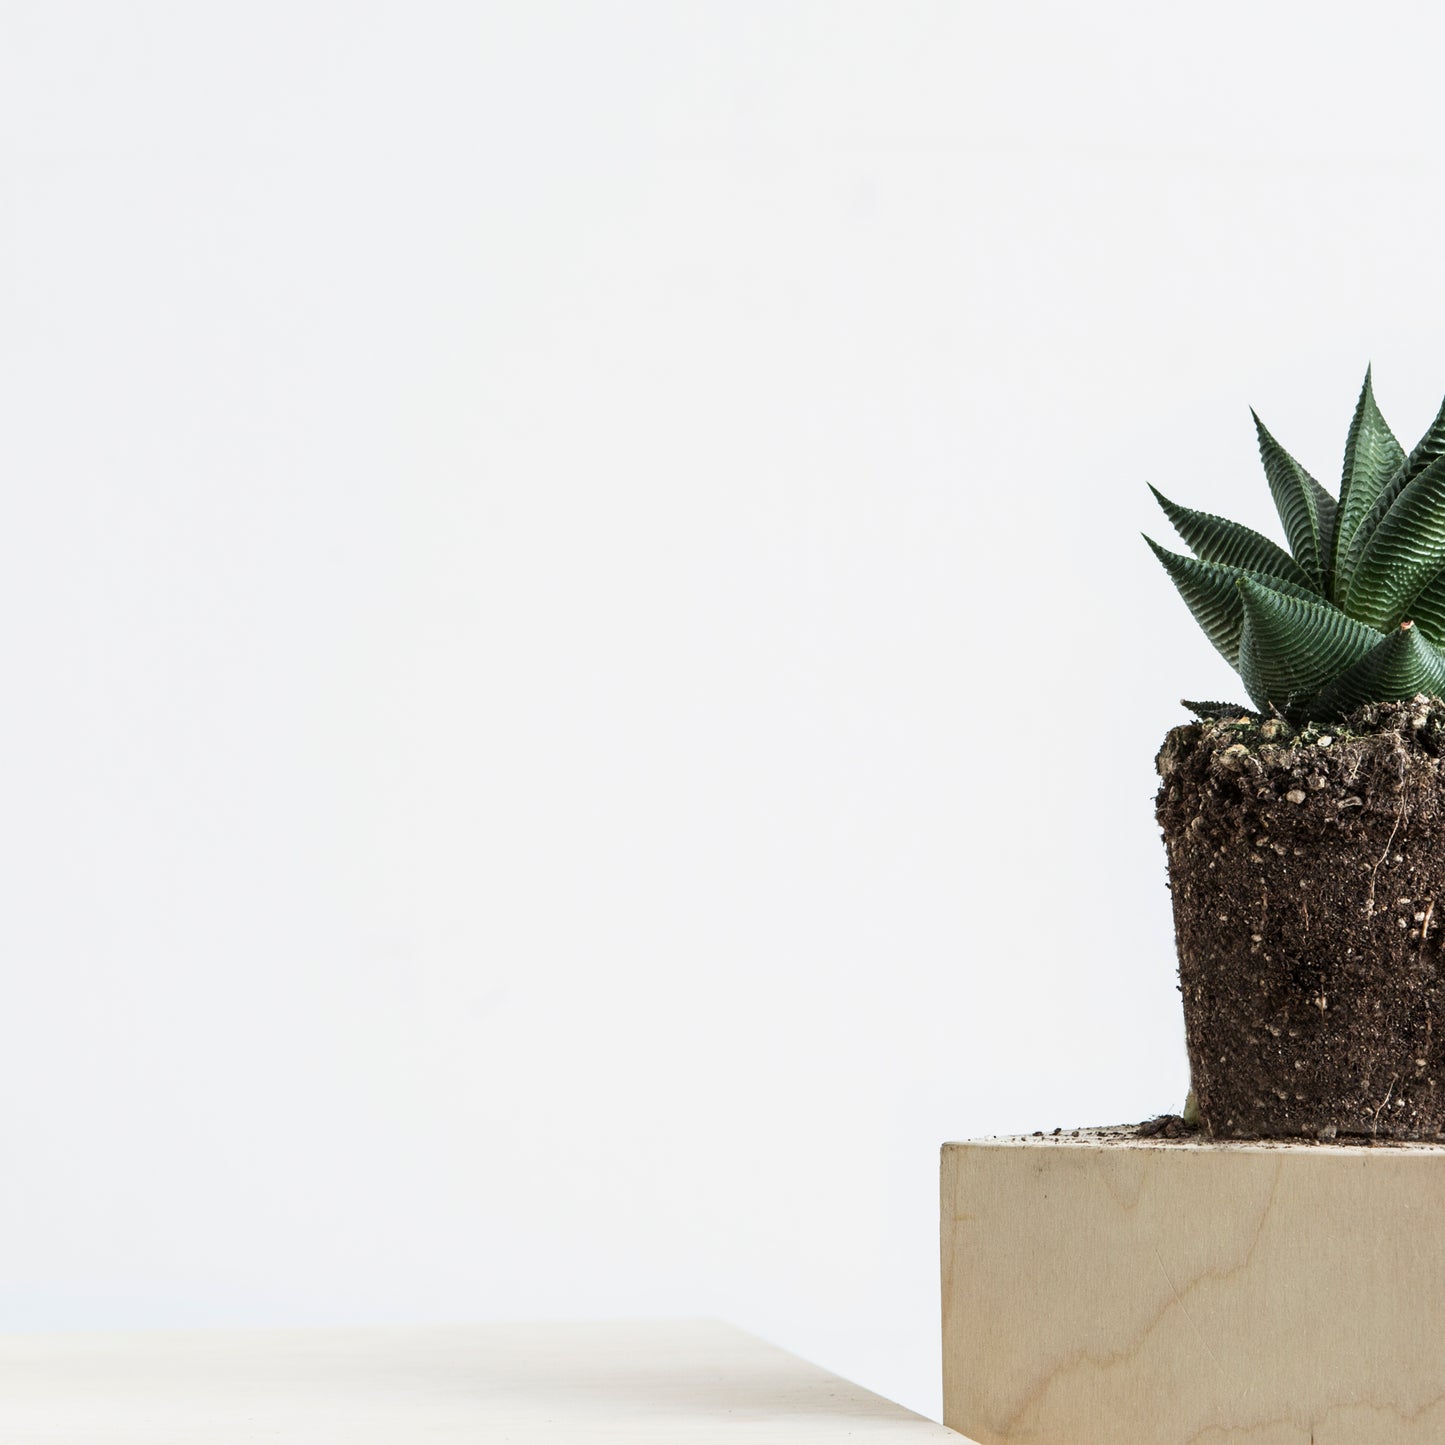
1308	876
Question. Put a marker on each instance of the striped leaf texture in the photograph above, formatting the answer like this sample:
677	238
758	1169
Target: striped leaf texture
1291	647
1398	666
1217	539
1403	554
1427	611
1354	611
1372	458
1305	508
1215	710
1429	449
1211	592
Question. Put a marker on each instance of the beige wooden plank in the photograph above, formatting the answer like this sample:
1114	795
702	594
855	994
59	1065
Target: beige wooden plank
1112	1291
523	1384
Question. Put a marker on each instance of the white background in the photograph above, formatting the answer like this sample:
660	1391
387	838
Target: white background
580	678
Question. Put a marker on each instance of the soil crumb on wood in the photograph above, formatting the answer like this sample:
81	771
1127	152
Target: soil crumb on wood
1162	1126
1167	1126
1179	1135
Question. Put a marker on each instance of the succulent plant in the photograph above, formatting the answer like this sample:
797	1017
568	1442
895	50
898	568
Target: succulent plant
1354	611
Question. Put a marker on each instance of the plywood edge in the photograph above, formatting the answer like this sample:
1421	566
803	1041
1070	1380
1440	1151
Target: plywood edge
1101	1285
1122	1137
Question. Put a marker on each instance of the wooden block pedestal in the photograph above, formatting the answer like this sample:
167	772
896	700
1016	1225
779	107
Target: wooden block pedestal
1107	1289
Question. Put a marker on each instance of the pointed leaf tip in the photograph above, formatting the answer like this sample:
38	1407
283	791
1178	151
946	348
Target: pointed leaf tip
1218	540
1212	593
1373	460
1305	508
1428	450
1398	666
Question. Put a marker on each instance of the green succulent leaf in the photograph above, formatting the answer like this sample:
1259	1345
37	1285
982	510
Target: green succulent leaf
1427	611
1429	447
1217	539
1427	450
1404	553
1291	647
1398	666
1357	613
1372	458
1305	508
1214	711
1211	592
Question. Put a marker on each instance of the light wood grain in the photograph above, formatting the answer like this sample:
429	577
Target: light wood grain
524	1384
1100	1292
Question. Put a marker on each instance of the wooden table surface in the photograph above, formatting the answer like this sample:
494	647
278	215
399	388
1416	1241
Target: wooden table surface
688	1383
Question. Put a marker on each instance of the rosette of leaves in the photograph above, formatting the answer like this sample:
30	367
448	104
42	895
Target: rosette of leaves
1354	611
